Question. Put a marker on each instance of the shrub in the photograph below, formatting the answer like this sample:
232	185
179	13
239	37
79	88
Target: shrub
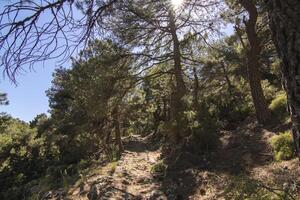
278	107
230	115
204	138
84	164
270	90
283	146
230	109
158	167
205	134
112	167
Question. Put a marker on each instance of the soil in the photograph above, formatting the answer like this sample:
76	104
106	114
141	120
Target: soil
244	152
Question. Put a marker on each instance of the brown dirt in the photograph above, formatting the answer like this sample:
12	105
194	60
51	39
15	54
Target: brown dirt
242	152
130	178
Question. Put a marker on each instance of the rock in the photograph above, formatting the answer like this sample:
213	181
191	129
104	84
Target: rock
156	195
93	193
171	196
202	192
152	160
34	189
53	195
142	180
47	195
125	182
125	173
81	187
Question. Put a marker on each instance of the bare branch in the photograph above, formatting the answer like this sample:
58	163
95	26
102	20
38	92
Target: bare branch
32	32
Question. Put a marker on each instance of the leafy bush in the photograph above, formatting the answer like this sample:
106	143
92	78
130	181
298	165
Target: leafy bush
232	113
283	146
112	167
204	138
158	167
270	91
22	157
229	109
278	107
204	133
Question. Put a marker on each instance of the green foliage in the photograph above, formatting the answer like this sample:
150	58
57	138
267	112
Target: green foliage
4	121
112	167
278	107
231	112
158	167
113	154
205	132
283	146
83	100
50	152
3	99
270	91
244	188
204	139
82	107
225	88
22	157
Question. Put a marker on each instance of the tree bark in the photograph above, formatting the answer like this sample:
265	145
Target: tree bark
285	25
196	90
227	79
180	88
262	112
118	130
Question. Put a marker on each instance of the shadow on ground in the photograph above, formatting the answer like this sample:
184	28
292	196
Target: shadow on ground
205	175
189	176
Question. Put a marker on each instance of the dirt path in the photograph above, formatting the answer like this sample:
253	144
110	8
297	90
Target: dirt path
129	178
242	160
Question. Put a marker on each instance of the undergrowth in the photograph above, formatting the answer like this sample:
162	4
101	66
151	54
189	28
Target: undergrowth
283	146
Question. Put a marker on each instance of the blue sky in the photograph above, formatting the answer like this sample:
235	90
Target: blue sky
28	98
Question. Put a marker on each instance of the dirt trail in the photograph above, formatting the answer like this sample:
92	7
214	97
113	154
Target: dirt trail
130	178
242	153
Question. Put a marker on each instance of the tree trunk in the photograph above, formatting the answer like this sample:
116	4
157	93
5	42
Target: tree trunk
285	25
180	88
227	79
118	130
262	112
196	90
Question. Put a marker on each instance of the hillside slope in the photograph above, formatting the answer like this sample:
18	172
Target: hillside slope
241	168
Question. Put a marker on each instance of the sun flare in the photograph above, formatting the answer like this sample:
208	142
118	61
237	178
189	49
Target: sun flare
177	3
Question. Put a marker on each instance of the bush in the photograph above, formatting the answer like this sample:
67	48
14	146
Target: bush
204	138
278	107
270	90
230	110
205	134
112	167
283	146
230	115
159	167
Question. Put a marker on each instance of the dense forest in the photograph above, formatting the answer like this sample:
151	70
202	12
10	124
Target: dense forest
175	99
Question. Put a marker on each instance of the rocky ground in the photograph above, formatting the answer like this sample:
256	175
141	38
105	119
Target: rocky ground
129	178
241	168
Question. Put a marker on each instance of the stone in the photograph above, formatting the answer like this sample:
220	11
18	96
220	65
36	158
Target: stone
93	193
125	182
